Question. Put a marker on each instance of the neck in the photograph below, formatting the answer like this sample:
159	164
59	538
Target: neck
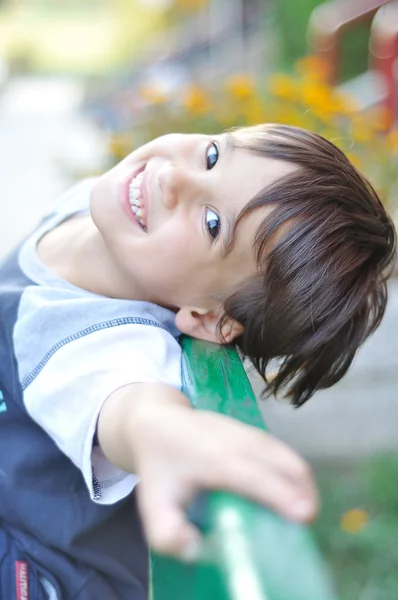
76	252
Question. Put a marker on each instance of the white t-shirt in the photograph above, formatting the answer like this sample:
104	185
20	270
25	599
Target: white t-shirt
74	348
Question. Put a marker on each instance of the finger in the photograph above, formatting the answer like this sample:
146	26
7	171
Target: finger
166	526
274	454
259	445
271	489
295	471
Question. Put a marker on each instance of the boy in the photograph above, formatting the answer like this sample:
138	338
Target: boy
266	237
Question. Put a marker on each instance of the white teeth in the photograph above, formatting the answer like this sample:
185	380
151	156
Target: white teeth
136	183
134	196
135	199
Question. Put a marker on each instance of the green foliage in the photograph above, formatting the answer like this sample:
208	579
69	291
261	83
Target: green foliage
364	564
292	22
355	51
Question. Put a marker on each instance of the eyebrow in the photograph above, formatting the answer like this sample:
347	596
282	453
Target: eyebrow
229	228
228	145
228	235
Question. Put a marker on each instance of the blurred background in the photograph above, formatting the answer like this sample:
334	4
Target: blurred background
82	82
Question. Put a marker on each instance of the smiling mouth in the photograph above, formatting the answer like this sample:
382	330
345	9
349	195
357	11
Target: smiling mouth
136	201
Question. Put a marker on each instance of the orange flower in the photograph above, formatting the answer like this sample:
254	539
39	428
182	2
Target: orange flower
313	67
317	95
196	101
283	86
240	86
354	520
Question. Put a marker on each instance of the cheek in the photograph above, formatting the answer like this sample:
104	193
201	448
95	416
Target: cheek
177	236
179	252
169	248
243	267
101	209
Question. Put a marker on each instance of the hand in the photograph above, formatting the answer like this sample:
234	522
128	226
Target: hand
179	451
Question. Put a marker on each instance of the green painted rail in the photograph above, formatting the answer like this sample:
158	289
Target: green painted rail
250	553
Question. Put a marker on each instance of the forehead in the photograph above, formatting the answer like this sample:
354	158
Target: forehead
243	173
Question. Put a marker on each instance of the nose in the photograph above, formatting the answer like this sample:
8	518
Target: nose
169	179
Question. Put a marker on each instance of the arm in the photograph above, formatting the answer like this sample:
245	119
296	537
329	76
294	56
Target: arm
151	429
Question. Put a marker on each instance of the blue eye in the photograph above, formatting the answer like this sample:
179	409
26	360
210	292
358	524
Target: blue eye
213	223
211	156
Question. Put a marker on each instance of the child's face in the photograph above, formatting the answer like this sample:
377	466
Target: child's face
190	192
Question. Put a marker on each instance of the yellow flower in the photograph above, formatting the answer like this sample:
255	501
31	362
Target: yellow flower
283	86
196	101
241	86
317	95
354	520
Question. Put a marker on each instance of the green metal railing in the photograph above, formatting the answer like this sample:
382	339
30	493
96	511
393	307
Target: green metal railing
249	552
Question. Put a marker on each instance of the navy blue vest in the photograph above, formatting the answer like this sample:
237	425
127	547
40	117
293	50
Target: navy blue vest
86	550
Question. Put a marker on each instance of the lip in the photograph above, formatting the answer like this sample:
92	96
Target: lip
125	196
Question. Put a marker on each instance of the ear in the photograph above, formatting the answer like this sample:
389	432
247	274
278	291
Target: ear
231	330
202	325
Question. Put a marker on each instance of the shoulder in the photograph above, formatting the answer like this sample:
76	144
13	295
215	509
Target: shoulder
65	327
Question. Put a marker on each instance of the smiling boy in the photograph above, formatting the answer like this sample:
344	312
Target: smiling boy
267	237
178	258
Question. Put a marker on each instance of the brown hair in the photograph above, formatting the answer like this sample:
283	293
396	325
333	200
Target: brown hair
321	288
